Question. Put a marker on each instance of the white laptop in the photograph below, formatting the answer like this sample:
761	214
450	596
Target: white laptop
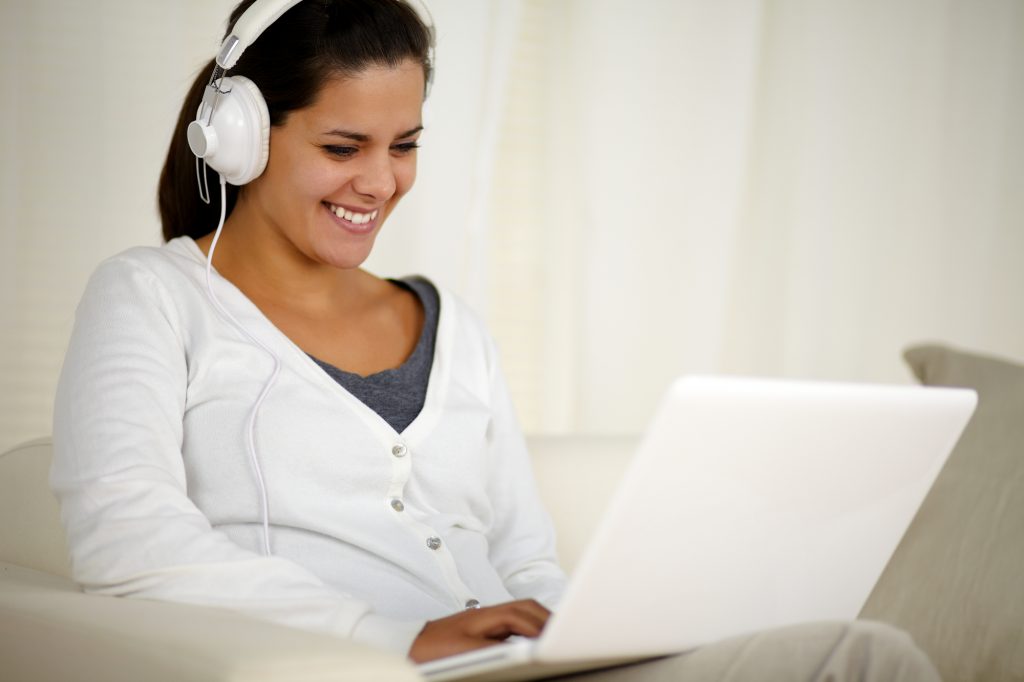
750	504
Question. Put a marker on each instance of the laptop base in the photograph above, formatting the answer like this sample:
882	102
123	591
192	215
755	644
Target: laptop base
504	671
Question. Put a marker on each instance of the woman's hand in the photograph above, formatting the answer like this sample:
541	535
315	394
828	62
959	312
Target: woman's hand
477	628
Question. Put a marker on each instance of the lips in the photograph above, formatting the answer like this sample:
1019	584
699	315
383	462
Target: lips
353	221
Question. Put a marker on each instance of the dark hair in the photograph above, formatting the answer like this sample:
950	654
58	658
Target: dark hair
314	41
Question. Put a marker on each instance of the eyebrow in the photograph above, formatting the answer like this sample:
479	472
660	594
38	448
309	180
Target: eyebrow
363	137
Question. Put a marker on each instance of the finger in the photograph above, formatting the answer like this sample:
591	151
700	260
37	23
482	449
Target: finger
530	610
535	608
500	622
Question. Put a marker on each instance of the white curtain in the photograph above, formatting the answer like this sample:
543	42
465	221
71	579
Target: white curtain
626	189
786	188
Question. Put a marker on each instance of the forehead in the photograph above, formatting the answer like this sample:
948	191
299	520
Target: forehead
377	96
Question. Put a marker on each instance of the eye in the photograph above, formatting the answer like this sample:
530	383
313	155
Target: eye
405	147
341	152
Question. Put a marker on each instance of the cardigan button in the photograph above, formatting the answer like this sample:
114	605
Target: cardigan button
434	543
399	450
397	505
472	604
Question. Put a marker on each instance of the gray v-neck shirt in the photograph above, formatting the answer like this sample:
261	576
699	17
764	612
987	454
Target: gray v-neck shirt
398	394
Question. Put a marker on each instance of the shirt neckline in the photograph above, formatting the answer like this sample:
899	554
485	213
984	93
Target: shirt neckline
300	361
421	341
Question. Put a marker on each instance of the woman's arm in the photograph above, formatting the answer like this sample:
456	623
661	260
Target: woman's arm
118	472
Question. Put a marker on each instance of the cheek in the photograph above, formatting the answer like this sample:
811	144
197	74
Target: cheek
317	179
286	179
405	177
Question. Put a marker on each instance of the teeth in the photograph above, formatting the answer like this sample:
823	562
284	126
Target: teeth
352	217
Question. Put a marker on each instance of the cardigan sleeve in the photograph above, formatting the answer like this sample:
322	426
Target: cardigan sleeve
521	537
119	475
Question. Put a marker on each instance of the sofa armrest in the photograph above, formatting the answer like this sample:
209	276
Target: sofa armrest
31	534
49	630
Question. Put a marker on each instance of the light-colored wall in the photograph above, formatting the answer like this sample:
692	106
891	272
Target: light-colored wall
626	190
778	188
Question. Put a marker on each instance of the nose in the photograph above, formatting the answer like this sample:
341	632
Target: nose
375	177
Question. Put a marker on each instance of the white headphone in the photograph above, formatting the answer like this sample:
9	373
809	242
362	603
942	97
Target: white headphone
231	133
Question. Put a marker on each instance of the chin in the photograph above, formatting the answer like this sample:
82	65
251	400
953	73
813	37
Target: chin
344	258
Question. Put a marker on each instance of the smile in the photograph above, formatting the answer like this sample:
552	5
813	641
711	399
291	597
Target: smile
352	216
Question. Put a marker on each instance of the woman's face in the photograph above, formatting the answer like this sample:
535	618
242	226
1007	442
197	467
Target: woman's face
339	167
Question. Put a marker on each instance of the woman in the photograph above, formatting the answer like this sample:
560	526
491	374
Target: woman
288	435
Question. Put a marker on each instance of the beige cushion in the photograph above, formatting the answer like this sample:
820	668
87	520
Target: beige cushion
956	582
31	534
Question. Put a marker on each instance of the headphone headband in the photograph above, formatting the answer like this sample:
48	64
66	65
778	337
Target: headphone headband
253	22
262	13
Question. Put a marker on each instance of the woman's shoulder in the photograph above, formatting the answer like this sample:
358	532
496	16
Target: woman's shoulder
179	255
168	266
167	278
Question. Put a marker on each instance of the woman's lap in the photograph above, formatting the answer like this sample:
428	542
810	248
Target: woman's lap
860	650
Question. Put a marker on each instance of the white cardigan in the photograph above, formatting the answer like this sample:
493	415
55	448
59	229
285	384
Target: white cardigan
373	532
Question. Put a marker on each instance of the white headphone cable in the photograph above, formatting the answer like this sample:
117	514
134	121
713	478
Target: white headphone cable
251	427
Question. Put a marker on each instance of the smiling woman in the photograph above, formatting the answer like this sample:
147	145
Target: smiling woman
265	426
247	418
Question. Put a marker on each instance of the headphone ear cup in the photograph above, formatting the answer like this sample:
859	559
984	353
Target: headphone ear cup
241	128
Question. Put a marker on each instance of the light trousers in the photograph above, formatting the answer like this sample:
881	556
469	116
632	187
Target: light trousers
861	651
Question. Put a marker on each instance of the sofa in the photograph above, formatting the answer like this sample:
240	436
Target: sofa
956	582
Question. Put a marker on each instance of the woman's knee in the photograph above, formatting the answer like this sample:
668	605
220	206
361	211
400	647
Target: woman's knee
883	652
